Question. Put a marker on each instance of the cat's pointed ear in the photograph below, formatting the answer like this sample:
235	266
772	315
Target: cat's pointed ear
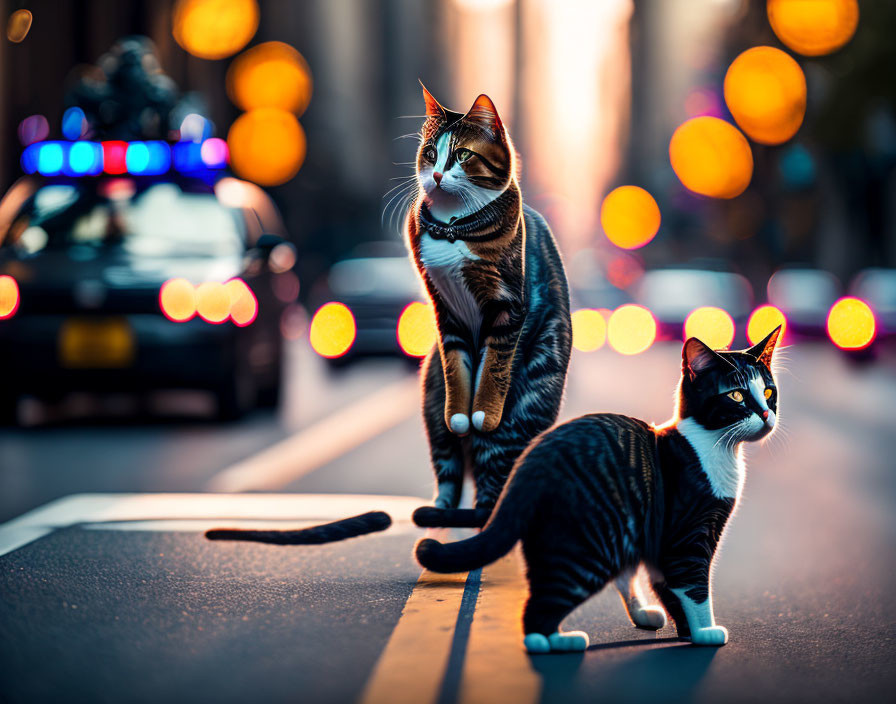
433	108
764	349
483	112
697	357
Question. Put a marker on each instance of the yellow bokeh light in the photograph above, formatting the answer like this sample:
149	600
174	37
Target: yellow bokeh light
813	27
630	217
765	90
214	29
712	326
270	75
851	324
332	330
763	320
177	299
589	330
266	146
417	329
18	26
631	329
711	157
212	302
243	304
9	296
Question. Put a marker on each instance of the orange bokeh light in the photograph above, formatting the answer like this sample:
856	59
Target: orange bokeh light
270	75
332	330
18	26
589	330
813	27
177	299
763	320
711	157
212	302
417	329
214	29
851	324
266	146
9	296
712	326
243	304
765	90
630	217
631	329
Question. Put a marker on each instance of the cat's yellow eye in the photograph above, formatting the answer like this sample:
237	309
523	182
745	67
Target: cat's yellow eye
463	154
736	396
768	393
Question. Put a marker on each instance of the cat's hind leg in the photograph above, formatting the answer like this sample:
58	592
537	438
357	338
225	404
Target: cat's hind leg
635	600
445	448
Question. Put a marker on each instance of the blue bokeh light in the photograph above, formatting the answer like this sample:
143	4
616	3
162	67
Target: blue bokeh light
73	123
84	158
50	158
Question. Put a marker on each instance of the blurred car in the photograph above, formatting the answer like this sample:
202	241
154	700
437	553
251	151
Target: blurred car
805	296
672	294
136	283
377	282
877	287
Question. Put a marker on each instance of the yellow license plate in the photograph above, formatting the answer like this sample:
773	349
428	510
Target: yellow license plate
100	343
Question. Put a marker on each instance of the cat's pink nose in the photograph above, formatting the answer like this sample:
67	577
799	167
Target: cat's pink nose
437	177
765	415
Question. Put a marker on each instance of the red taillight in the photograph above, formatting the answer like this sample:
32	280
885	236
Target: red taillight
9	296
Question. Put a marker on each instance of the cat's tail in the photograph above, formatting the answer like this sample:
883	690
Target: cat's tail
500	534
371	522
432	517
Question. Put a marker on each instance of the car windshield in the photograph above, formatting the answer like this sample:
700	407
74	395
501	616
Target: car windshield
161	220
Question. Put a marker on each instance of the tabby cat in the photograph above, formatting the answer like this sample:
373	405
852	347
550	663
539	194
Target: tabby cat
492	270
596	498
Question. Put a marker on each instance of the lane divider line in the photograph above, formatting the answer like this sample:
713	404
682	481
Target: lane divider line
496	667
321	442
411	668
451	681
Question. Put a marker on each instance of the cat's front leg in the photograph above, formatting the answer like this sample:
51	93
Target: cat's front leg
637	605
495	372
458	382
696	603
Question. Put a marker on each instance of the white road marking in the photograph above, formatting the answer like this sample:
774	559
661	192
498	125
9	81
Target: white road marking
323	441
201	511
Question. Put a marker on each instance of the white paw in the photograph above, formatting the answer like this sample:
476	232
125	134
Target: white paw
460	423
478	419
573	641
650	617
536	643
711	635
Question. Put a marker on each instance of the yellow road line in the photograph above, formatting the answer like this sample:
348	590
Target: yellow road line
496	668
322	442
412	665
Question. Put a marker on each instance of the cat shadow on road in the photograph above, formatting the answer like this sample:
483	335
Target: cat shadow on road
625	671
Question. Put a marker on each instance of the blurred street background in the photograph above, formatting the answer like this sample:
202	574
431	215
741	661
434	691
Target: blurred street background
204	289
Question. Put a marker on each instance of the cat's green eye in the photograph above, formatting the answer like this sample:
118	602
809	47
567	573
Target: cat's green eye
463	154
430	154
736	396
768	393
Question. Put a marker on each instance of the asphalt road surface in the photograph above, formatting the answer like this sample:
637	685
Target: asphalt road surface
116	597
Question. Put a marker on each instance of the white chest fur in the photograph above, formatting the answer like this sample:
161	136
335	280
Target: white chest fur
722	464
444	262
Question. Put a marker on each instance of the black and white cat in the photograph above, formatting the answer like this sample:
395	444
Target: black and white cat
597	497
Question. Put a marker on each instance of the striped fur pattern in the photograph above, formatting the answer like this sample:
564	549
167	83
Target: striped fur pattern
492	270
605	496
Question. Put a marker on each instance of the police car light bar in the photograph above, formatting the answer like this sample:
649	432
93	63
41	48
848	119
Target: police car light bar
150	158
